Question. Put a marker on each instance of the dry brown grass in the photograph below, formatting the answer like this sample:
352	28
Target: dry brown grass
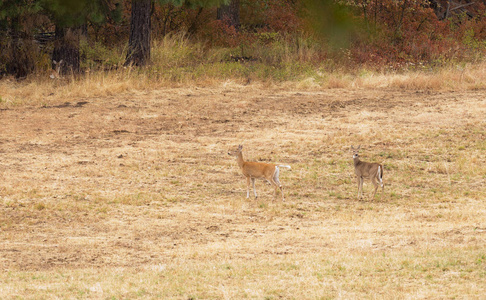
127	191
41	90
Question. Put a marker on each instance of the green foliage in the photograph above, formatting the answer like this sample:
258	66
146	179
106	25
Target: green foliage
16	9
330	20
97	55
66	12
471	41
69	13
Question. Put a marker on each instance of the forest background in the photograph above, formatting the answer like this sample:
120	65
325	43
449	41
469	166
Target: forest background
246	39
115	181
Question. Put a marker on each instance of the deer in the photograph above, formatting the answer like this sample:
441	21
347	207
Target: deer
55	73
365	170
254	170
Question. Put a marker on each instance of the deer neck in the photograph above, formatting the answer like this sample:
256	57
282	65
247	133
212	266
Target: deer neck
356	161
240	160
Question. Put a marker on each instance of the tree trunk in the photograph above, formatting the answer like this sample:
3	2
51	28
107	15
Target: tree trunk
139	43
230	14
66	48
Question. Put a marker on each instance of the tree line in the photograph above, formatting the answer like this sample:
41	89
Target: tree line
380	31
24	23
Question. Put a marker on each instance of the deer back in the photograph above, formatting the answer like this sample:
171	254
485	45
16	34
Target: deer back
258	169
365	169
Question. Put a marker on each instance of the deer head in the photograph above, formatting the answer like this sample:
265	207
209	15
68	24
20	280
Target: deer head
55	73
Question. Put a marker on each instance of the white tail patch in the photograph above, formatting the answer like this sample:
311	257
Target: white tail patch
275	175
380	178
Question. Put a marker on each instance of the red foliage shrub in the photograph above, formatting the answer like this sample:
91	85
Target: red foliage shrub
407	31
392	33
256	17
219	34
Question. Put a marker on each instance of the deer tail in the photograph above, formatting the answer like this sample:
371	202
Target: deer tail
380	174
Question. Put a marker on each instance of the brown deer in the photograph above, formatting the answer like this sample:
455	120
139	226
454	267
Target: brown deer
55	73
362	170
254	170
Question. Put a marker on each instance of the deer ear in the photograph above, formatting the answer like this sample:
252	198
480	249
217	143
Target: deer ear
352	148
359	147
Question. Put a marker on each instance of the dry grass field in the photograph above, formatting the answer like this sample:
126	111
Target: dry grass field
132	195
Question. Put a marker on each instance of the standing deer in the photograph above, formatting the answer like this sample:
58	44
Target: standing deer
253	170
373	171
55	73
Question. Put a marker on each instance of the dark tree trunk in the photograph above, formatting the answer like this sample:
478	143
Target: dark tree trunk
230	14
20	56
139	42
66	48
193	27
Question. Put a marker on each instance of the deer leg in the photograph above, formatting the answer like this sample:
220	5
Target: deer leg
278	186
277	183
375	184
273	183
361	182
254	190
275	186
360	185
247	187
